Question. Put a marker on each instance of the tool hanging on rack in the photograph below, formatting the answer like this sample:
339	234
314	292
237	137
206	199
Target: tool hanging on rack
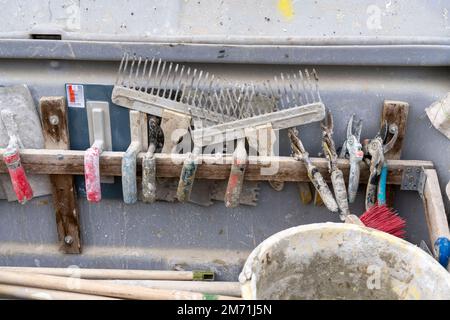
239	165
149	162
18	99
337	177
300	154
11	158
250	117
352	149
225	101
138	133
374	151
290	96
173	92
166	86
100	139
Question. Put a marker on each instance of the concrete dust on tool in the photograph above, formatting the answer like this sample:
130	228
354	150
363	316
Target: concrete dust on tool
176	93
11	158
300	95
337	177
352	149
18	100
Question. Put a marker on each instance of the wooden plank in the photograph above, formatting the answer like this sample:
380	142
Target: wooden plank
434	207
43	161
56	136
395	112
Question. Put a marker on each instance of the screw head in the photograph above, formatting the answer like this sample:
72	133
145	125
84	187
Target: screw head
54	120
60	157
68	240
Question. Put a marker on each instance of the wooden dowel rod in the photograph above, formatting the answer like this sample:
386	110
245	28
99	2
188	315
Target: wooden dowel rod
95	287
434	208
19	292
211	287
124	274
43	161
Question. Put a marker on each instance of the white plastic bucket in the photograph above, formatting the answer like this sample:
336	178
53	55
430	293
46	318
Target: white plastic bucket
341	261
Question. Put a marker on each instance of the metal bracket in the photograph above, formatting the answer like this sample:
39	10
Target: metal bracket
414	179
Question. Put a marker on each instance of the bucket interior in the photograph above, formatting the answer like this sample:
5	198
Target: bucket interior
338	261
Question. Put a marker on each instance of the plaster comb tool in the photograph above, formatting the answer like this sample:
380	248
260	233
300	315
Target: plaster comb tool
168	90
155	86
301	91
223	101
250	117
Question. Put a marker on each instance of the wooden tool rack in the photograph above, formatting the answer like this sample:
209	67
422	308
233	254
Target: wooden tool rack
62	164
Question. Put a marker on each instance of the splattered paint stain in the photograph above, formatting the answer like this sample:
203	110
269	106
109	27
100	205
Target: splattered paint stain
286	8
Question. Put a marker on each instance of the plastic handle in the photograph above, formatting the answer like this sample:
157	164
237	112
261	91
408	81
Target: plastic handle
382	186
442	250
187	178
129	184
92	174
149	176
19	181
236	179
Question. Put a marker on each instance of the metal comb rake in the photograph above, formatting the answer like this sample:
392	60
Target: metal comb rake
152	86
225	99
295	108
301	89
250	117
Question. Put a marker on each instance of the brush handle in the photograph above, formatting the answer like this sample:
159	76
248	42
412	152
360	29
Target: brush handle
129	185
92	174
340	192
382	185
187	178
236	179
19	181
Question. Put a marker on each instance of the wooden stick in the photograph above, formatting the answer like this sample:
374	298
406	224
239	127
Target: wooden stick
395	112
19	292
56	136
124	274
435	214
211	287
42	161
94	287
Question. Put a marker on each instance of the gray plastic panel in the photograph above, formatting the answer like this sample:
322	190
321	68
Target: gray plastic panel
163	235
